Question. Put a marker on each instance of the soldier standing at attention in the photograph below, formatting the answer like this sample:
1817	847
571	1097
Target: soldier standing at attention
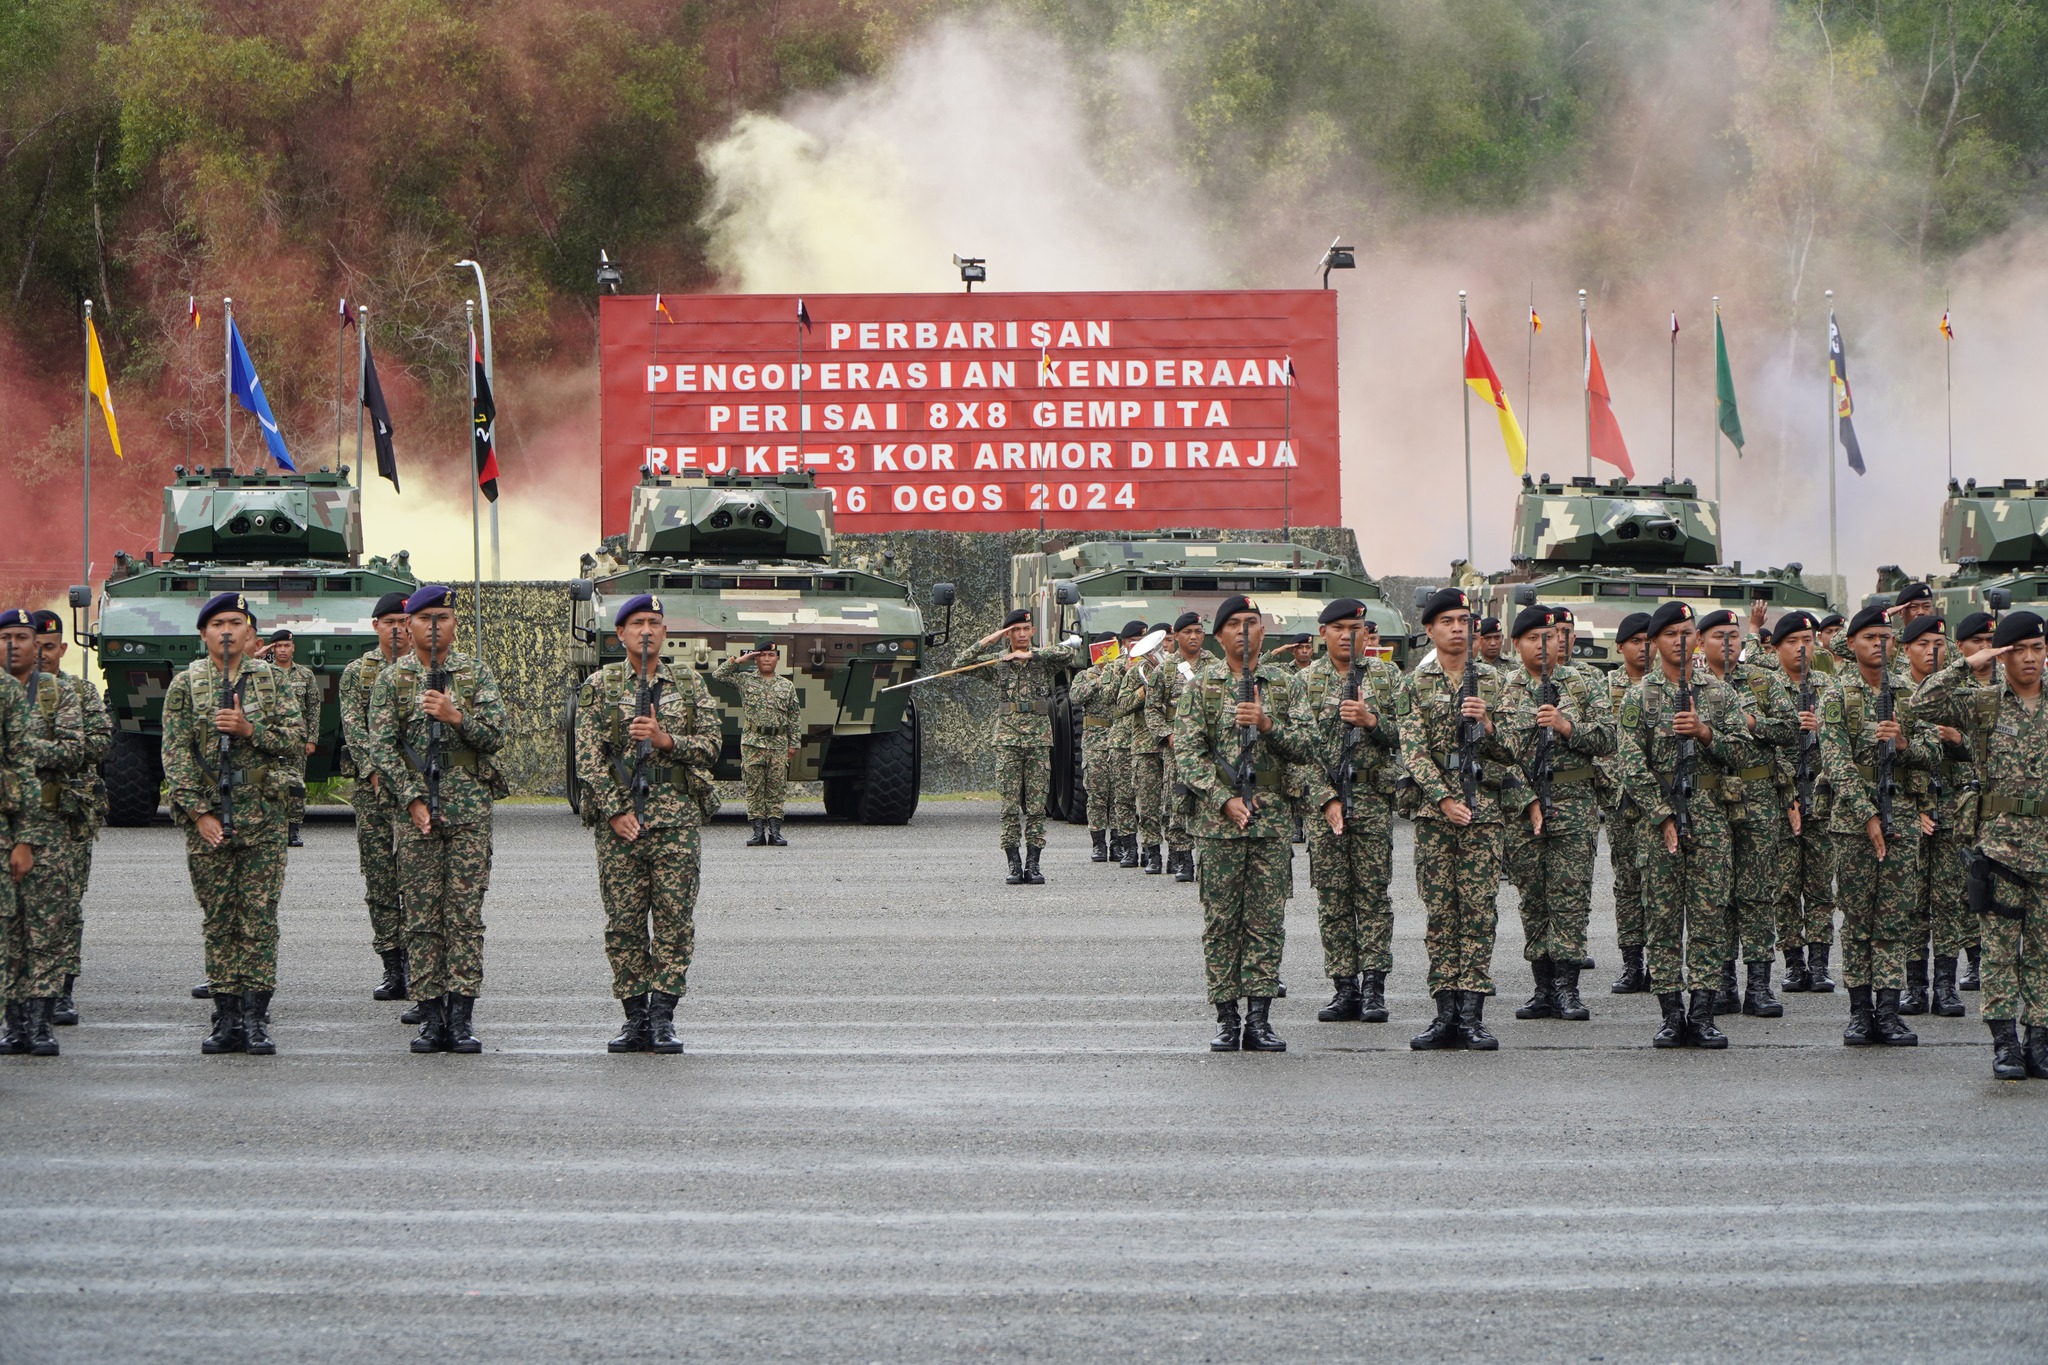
1829	634
1806	879
1457	837
1685	871
1624	821
1973	636
1877	870
1297	654
1550	853
647	735
47	740
1490	641
230	708
83	800
1941	917
438	712
1353	740
1023	679
376	813
1087	690
1123	724
304	686
1163	706
769	712
1150	737
1996	693
1233	736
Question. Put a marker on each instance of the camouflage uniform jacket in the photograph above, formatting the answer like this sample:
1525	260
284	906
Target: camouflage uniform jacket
1207	742
1766	784
1023	688
1141	677
1613	796
2014	767
1089	691
769	710
1427	713
358	680
1162	691
304	684
1126	682
19	792
1319	691
66	744
1951	787
1583	700
191	748
679	780
1649	746
1786	758
399	732
1849	749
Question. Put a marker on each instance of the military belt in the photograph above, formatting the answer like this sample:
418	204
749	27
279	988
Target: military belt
2025	806
1758	773
1266	779
766	731
1028	708
1571	777
1094	722
450	758
1702	782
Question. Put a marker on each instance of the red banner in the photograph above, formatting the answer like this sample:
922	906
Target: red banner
987	412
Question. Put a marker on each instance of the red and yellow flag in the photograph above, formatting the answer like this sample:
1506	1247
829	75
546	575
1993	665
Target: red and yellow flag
1484	382
1946	330
661	309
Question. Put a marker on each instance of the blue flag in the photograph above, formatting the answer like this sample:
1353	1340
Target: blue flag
248	391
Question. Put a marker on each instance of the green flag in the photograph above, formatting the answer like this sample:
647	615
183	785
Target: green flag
1725	415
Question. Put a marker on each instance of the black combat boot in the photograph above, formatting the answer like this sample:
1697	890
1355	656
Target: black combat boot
1699	1023
41	1042
1258	1033
1795	970
633	1037
1541	1005
1913	999
1100	838
14	1042
1944	1001
1817	979
411	1013
1861	1022
1757	1000
1969	980
2008	1058
1151	862
775	839
228	1034
1472	1024
1228	1028
2035	1052
1343	1006
203	991
1443	1030
392	987
1726	1000
1279	988
760	836
1886	1027
1032	876
1372	998
1016	877
1130	854
433	1014
1673	1032
1633	980
461	1037
256	1024
661	1024
64	1012
1187	866
292	839
1564	995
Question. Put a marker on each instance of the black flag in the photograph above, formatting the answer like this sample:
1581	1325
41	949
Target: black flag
380	419
485	422
1838	374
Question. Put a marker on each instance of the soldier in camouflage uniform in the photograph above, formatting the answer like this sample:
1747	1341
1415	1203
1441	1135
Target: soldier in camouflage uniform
1457	842
1245	856
444	856
1124	722
1941	915
1550	853
304	685
1088	690
1685	873
1162	705
39	736
647	847
769	712
1023	678
1149	743
1491	641
82	801
1973	636
235	850
1624	822
1994	696
1806	880
1877	871
377	815
1350	853
18	795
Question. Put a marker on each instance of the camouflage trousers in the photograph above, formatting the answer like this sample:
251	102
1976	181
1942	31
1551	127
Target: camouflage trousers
1022	774
1553	875
377	856
1942	919
1180	810
41	915
1148	788
765	771
237	886
74	947
1457	873
1350	873
1880	901
2015	975
1685	901
1244	885
1758	842
442	878
1806	886
1624	837
1123	797
650	908
1095	773
294	775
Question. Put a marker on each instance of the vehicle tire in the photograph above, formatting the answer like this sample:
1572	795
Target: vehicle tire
895	762
133	784
570	786
1069	797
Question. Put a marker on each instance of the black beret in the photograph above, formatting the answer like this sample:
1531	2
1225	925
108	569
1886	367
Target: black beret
1133	629
1976	623
1017	616
1534	617
430	595
1443	600
1232	606
280	635
1562	615
1186	619
1792	622
1914	592
1159	625
21	618
1865	619
1100	637
48	623
227	601
2017	626
1488	625
1632	625
1722	617
1302	638
1669	615
634	605
1918	628
1830	621
387	604
1343	609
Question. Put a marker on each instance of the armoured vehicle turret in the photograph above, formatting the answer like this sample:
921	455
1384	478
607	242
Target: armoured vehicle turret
1995	537
293	544
1608	549
736	560
1098	585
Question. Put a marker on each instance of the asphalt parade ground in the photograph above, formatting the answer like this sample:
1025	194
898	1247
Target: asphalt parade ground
926	1116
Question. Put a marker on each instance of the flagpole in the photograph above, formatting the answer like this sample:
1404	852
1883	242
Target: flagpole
800	382
476	544
1585	375
1529	376
491	376
1674	395
1465	398
1287	442
86	539
1834	567
1717	412
1948	361
227	381
362	363
340	377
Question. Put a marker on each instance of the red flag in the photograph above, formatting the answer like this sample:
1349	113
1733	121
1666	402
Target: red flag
1606	443
348	319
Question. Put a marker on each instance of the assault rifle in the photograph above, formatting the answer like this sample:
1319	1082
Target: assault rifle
1805	770
650	694
437	681
1244	774
224	783
1887	750
1543	767
1344	778
1684	772
1470	734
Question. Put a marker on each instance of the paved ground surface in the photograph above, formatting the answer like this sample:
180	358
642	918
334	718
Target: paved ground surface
928	1116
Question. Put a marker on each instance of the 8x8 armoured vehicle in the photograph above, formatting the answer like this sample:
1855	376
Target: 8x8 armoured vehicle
1996	536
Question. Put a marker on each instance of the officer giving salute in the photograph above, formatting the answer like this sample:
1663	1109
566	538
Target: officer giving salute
231	726
1023	678
768	735
377	814
435	720
647	735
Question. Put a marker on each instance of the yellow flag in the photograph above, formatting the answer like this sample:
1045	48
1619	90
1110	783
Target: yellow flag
96	383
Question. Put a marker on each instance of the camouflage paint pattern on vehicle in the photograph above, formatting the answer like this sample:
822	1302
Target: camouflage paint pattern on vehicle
1995	538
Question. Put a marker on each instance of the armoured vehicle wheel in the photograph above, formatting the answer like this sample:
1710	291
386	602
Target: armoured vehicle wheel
1069	783
133	786
570	786
888	793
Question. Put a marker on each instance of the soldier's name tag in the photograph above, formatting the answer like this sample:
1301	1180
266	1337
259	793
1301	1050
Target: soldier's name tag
2007	728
